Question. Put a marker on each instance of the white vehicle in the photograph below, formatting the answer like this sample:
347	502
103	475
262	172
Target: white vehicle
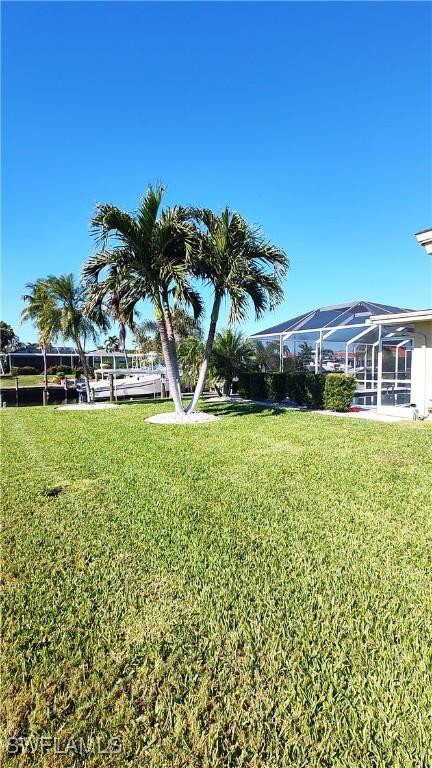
132	383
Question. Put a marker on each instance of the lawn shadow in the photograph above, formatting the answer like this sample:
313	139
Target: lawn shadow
224	408
231	408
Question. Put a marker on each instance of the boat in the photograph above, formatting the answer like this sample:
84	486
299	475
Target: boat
130	383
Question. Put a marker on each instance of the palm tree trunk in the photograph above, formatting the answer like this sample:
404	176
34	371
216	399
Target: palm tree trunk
207	352
171	342
174	392
44	352
83	362
122	340
227	386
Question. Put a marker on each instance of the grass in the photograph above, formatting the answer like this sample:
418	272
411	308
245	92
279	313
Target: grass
253	592
31	380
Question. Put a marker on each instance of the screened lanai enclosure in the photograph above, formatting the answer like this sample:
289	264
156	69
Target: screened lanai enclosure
341	338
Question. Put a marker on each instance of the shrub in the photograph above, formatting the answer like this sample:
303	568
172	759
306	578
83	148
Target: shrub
251	385
24	370
296	386
338	391
315	383
301	387
243	384
257	386
59	369
78	371
275	384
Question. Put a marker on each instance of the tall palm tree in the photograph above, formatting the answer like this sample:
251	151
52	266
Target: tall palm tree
151	251
40	308
231	353
74	323
242	267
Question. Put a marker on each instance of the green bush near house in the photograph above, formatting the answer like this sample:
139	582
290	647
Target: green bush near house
301	387
339	391
276	386
314	385
56	369
252	385
24	370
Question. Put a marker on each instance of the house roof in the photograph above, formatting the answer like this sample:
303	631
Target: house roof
34	349
350	313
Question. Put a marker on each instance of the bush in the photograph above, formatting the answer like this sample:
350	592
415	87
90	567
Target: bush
243	384
78	372
315	383
338	391
251	385
301	387
275	385
24	370
296	386
257	386
59	369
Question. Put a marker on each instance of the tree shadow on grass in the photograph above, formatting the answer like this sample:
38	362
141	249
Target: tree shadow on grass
224	408
229	408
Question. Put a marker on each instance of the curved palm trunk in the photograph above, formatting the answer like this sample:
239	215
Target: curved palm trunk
207	352
174	392
83	362
172	346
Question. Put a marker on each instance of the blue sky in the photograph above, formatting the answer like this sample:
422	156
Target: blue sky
311	119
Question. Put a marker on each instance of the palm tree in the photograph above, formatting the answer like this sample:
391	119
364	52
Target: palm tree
231	354
40	308
146	336
184	326
114	310
111	344
241	266
151	252
190	353
74	323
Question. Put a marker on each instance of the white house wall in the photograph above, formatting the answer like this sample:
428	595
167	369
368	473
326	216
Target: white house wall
421	375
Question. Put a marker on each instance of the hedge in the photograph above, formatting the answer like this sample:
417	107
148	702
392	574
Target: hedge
301	387
276	386
24	370
339	391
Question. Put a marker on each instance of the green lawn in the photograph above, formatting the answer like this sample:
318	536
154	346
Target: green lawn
252	592
32	380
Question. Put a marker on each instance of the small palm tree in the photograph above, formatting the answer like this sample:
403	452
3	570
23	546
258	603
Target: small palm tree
151	252
242	267
191	353
111	344
231	354
146	336
184	326
40	308
74	324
